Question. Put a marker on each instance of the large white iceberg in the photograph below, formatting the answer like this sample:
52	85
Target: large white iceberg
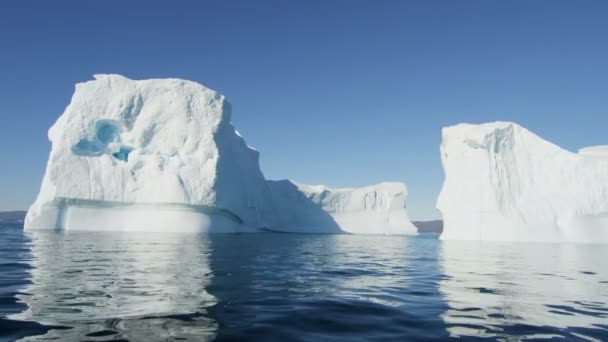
503	182
162	155
149	155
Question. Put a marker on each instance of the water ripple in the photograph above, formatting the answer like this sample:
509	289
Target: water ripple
87	286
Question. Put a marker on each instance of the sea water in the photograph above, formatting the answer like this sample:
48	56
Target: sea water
105	286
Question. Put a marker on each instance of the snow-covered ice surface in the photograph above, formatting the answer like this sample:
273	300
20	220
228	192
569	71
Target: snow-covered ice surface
147	154
161	154
595	151
375	209
502	182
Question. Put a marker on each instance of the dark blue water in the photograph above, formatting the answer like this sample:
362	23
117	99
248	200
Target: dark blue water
83	286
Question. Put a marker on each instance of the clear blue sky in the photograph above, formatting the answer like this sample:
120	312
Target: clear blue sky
342	93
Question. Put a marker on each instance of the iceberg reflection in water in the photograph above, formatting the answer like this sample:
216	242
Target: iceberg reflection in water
528	290
101	286
119	285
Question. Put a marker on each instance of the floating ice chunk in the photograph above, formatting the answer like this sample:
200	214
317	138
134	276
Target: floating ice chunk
162	155
150	148
503	182
375	209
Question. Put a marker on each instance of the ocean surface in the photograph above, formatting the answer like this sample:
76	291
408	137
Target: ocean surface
88	286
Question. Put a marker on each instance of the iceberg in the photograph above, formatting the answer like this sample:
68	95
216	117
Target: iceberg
149	155
162	155
503	182
375	209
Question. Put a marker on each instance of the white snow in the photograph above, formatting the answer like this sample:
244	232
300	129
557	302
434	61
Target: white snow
594	151
503	182
375	209
162	155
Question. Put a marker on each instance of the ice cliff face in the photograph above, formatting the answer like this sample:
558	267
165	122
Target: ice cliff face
375	209
503	182
137	154
162	155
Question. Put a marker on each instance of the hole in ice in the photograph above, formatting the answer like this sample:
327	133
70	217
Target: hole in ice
87	148
123	153
107	132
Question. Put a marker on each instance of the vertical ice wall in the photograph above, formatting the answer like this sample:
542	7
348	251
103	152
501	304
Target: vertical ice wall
503	182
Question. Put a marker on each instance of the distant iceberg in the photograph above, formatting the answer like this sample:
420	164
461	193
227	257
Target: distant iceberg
375	209
503	182
162	155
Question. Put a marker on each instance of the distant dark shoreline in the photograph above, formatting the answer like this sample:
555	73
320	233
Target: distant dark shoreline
435	226
12	216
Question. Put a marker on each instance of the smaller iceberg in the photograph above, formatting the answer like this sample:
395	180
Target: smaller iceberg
375	209
503	182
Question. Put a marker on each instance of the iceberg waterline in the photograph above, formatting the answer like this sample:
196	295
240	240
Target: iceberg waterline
162	155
